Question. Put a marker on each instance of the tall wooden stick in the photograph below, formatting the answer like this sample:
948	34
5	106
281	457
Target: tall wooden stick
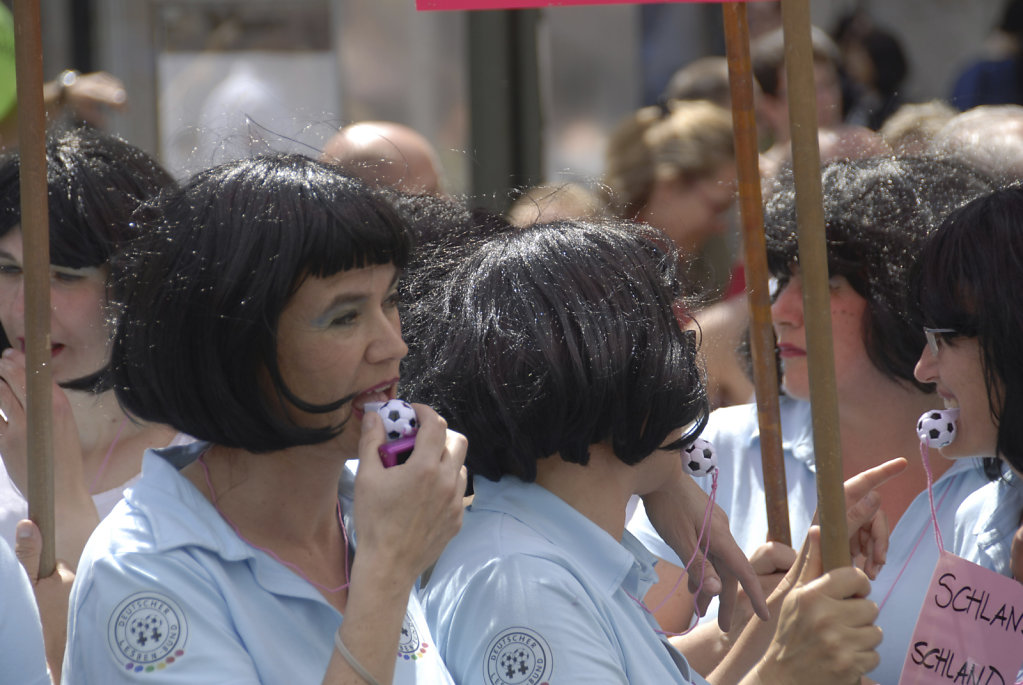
35	229
765	369
813	268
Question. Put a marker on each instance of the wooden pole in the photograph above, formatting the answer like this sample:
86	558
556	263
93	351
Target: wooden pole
813	268
765	368
35	229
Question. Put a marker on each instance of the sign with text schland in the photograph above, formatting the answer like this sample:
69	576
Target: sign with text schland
523	4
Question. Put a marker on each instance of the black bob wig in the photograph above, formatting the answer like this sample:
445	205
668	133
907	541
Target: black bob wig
196	339
559	336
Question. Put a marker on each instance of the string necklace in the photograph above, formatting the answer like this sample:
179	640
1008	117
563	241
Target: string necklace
704	550
294	567
106	460
934	521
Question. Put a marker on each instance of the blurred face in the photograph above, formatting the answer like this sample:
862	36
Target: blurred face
340	336
829	100
691	211
79	330
852	365
958	373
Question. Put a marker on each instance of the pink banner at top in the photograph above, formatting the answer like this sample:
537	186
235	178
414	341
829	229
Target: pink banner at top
522	4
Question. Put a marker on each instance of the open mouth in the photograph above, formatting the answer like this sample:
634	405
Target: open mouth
950	402
378	393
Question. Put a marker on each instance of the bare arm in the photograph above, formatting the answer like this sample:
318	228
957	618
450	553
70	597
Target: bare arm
676	512
404	517
75	513
822	626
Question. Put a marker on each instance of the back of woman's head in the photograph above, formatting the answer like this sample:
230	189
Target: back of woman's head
967	280
877	214
195	346
550	339
687	139
95	181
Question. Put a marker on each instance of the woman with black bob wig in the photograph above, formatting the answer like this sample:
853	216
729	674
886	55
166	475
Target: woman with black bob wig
972	310
95	182
557	352
878	213
263	318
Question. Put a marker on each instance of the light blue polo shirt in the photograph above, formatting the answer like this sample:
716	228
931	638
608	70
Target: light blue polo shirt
987	521
167	592
735	434
22	655
532	591
912	552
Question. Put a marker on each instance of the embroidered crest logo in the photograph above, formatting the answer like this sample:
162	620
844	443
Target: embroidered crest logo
410	647
518	656
147	632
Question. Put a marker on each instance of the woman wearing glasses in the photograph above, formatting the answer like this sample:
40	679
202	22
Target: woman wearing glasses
967	296
557	352
877	213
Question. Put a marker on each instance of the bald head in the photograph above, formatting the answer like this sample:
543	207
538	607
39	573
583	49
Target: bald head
383	153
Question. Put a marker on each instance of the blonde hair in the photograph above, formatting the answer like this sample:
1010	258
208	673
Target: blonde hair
549	202
912	127
687	139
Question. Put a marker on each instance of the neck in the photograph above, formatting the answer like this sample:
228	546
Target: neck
873	432
112	443
600	490
285	496
284	503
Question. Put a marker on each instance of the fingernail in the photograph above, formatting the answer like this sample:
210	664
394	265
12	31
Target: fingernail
24	532
369	420
9	352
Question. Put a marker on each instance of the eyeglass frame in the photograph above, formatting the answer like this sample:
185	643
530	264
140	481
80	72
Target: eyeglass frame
932	339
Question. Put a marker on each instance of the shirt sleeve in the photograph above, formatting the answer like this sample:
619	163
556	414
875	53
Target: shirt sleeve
155	619
527	620
22	654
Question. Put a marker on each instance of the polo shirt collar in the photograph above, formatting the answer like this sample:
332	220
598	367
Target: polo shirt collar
609	564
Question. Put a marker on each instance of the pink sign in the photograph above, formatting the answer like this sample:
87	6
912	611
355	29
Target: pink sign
522	4
970	629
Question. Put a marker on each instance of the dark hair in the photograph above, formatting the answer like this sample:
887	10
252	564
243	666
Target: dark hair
967	280
877	213
441	228
196	342
95	182
556	337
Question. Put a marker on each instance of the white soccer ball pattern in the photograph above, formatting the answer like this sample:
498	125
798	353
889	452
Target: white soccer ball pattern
399	419
700	458
937	427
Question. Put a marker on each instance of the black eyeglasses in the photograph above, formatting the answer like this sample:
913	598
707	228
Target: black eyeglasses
935	336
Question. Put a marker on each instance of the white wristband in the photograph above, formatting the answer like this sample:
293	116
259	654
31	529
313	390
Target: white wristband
352	661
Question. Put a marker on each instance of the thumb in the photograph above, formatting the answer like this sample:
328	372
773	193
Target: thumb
29	547
813	567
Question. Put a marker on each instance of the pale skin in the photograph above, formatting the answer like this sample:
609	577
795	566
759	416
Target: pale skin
342	334
286	501
957	371
873	410
825	612
88	98
52	594
85	425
